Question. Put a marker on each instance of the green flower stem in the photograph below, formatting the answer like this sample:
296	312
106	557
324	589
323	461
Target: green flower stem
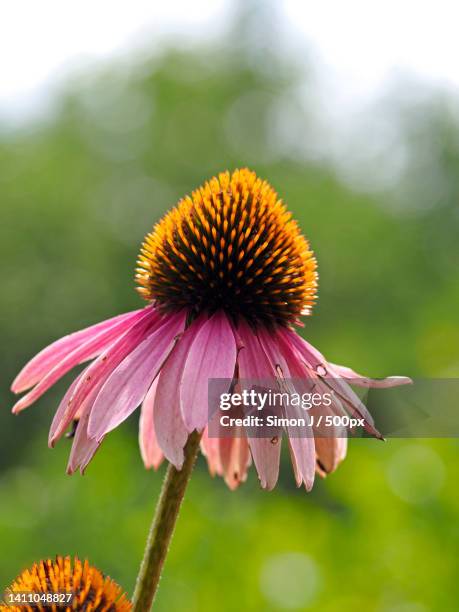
162	527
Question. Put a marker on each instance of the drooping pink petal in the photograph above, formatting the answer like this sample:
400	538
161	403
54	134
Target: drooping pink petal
93	346
363	381
266	456
353	403
330	452
169	426
255	366
83	447
317	361
302	449
64	402
210	450
149	449
128	384
52	355
98	371
228	456
235	459
313	358
334	382
341	450
212	355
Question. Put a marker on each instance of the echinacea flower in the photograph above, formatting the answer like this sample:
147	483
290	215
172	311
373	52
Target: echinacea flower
227	274
52	581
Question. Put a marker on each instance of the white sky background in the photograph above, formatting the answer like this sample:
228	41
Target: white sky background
363	42
360	44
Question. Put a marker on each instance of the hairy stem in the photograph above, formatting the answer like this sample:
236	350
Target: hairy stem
162	527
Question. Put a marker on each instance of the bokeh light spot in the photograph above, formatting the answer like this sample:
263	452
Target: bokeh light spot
416	473
290	580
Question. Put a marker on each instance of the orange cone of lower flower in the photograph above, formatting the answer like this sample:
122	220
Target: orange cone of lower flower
72	584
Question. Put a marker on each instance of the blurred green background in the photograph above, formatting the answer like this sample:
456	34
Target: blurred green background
79	190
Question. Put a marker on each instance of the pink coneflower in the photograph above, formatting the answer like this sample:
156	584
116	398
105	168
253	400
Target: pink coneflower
227	274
